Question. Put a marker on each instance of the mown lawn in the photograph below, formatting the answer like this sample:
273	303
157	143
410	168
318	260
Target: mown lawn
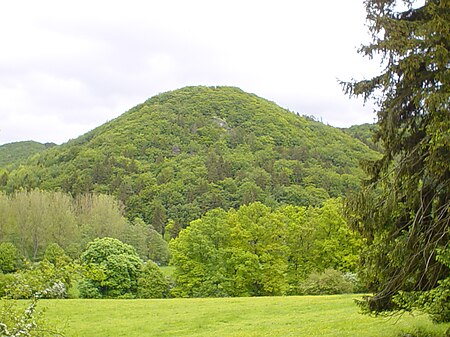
267	316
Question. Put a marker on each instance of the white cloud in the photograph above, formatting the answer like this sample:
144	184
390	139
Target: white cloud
77	65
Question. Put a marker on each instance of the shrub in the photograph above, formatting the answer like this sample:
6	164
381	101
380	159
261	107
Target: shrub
5	281
56	255
327	283
87	289
119	263
42	279
358	286
152	283
10	258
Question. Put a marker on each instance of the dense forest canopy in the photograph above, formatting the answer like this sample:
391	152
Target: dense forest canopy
182	153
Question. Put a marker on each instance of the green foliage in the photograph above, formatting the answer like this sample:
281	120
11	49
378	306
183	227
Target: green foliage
42	279
336	246
435	302
422	332
257	254
5	281
120	264
198	254
56	255
255	251
158	249
18	152
182	153
152	283
404	210
99	215
10	259
32	220
328	282
137	235
88	289
36	221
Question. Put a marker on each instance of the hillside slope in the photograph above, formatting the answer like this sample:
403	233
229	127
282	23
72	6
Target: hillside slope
181	153
365	133
17	152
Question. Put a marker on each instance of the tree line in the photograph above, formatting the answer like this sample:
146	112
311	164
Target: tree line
32	220
87	245
257	251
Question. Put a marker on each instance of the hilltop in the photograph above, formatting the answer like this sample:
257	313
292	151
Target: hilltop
183	152
17	152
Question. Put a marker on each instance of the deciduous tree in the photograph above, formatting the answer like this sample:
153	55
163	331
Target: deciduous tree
120	263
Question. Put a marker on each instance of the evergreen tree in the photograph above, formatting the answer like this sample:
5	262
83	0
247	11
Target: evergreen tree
404	211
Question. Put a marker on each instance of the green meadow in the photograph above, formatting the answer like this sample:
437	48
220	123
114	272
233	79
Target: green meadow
261	316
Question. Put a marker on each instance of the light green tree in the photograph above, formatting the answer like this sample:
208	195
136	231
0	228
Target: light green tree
120	264
99	216
335	245
198	254
152	283
257	260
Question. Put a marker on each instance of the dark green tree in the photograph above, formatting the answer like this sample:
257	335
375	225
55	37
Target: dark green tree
404	210
159	216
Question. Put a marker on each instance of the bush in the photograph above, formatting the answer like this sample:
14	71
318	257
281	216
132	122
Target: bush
42	279
358	286
327	283
152	283
5	281
15	320
120	266
10	259
56	255
88	290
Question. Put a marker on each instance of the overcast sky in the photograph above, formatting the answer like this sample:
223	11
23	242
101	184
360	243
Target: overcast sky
69	66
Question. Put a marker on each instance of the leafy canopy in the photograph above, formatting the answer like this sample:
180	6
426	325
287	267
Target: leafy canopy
120	264
256	251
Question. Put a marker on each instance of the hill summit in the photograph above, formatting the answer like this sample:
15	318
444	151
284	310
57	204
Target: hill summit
181	153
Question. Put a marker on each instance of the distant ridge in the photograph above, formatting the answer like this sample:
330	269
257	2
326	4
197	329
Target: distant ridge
17	152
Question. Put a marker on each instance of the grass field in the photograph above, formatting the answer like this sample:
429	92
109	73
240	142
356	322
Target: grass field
267	316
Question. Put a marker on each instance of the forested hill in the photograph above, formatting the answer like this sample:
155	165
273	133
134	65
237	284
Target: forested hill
17	152
181	153
365	133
